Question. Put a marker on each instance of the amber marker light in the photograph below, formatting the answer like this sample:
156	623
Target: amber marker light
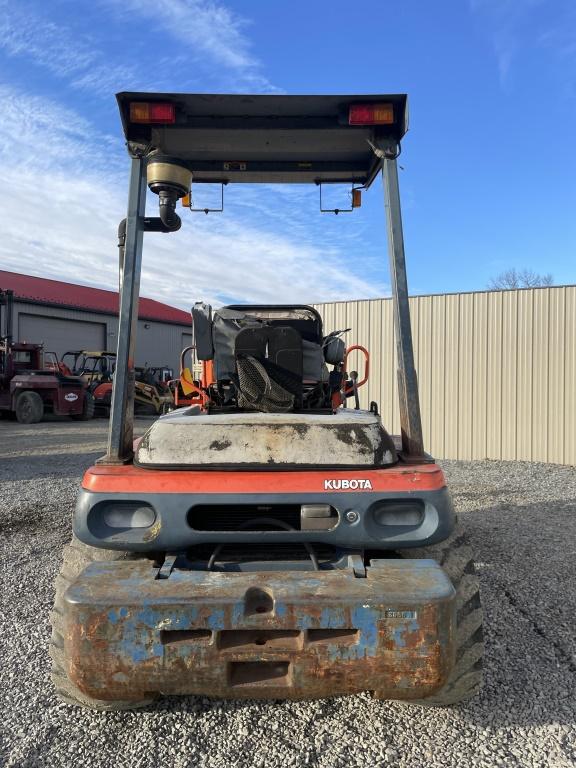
152	112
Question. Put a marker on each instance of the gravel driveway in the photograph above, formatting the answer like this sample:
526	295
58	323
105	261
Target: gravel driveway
521	519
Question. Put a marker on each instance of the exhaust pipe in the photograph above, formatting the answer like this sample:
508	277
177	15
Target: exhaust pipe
167	210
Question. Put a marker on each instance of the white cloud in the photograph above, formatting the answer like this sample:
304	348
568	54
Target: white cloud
206	26
62	199
205	41
24	33
241	262
204	29
40	134
67	181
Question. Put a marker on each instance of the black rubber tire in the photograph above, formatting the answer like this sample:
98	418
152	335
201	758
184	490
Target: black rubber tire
456	558
87	409
76	557
29	407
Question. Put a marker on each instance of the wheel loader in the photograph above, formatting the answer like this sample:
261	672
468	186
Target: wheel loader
264	541
152	396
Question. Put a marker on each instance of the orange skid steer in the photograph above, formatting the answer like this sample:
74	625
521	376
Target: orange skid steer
262	540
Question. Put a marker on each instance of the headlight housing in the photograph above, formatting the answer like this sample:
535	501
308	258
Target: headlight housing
125	515
123	520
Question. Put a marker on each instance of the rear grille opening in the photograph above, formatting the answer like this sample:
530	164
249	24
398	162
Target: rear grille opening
222	517
260	517
338	636
260	673
177	636
260	639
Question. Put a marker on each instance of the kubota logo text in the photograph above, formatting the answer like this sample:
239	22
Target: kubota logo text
347	485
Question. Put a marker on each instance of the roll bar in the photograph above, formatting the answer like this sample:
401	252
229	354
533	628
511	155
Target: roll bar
271	116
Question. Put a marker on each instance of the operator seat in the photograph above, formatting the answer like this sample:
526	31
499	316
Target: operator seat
269	367
286	341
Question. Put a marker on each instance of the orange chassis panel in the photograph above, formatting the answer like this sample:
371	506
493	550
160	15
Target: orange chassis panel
129	479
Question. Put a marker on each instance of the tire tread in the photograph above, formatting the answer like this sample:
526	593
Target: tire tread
76	557
455	557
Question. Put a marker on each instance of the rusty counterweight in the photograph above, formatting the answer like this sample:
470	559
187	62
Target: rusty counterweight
260	635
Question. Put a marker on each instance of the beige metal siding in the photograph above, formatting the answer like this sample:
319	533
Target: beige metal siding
569	386
496	370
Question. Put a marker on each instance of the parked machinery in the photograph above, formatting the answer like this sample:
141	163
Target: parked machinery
152	395
29	388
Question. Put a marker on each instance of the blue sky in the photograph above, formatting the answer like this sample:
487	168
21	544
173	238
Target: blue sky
489	166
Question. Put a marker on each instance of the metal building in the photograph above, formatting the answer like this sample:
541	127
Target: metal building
64	317
496	370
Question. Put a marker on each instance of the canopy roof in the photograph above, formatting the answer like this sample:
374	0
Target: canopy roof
234	138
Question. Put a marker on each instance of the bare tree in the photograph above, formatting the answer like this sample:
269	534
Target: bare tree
519	278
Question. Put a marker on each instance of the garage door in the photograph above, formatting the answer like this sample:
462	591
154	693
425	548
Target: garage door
60	335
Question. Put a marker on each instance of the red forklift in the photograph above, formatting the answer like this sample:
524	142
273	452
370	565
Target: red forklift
29	388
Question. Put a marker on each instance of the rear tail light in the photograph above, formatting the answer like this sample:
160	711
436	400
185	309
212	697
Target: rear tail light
152	112
371	114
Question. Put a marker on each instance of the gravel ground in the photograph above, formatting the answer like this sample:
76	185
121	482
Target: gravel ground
521	519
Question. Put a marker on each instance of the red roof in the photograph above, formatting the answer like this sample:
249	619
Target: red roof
56	292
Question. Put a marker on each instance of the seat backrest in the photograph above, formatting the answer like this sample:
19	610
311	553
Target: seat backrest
269	368
297	346
281	346
252	342
285	349
226	326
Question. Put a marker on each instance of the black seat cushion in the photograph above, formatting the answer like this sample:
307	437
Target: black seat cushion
251	342
285	349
